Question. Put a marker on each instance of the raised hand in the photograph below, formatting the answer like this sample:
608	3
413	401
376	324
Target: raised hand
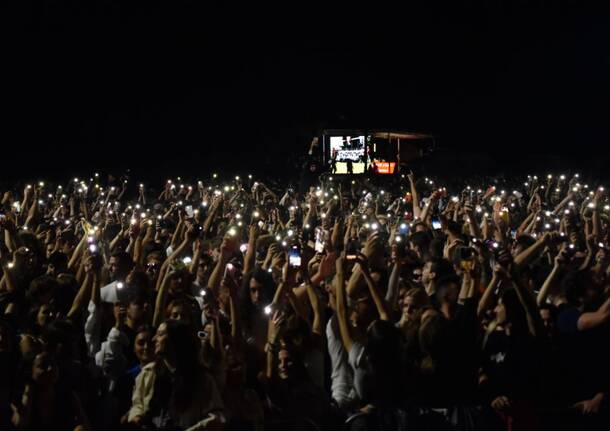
326	265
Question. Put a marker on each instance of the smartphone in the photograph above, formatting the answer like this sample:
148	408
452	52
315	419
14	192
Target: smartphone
404	229
351	257
492	245
294	257
436	223
189	211
229	269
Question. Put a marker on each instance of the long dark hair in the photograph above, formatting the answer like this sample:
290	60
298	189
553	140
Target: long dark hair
251	311
515	313
183	351
385	348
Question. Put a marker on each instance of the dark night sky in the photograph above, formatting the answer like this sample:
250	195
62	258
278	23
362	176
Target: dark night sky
89	83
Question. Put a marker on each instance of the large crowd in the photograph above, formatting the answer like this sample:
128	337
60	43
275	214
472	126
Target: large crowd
383	303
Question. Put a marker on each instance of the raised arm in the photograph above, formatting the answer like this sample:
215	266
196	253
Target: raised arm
382	309
391	296
82	297
594	319
250	258
414	196
341	307
221	264
534	251
475	230
161	301
74	260
316	306
186	244
528	302
335	238
486	300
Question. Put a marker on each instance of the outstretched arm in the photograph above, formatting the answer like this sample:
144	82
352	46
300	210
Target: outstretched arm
344	329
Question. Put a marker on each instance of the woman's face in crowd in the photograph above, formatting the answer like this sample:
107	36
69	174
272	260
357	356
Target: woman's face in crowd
44	369
285	364
256	291
426	275
45	315
500	312
179	312
143	347
160	340
409	308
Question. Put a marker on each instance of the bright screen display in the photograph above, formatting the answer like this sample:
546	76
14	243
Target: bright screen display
346	149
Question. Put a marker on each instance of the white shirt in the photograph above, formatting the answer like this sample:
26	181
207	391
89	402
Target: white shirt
108	293
357	360
342	376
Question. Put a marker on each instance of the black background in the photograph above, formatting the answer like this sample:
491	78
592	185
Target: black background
183	86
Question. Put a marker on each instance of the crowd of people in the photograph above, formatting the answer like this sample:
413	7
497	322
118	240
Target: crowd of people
397	303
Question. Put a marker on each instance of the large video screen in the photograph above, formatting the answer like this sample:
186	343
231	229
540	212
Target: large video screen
346	149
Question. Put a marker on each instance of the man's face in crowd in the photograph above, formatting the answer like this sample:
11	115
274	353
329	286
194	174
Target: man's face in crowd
135	311
202	270
113	267
143	347
49	249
